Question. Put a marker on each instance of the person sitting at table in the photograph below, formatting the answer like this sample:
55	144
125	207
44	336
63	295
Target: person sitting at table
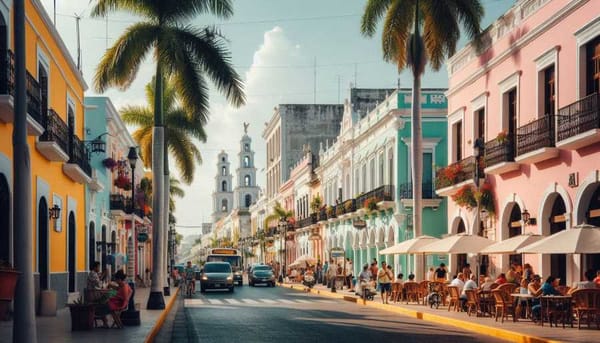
528	272
117	301
411	277
487	284
512	275
588	284
501	279
400	278
470	285
93	280
548	288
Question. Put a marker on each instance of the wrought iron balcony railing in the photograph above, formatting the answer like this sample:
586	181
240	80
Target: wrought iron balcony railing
381	193
304	222
118	202
498	151
322	214
455	173
581	116
56	130
78	154
405	191
536	135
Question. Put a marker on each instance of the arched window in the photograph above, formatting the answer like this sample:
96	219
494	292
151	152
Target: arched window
381	169
223	159
372	172
224	205
247	182
248	200
246	147
224	186
223	171
246	162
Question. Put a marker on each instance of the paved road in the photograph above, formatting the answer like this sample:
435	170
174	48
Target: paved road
263	314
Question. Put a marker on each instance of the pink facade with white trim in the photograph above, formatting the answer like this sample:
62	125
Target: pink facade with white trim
538	51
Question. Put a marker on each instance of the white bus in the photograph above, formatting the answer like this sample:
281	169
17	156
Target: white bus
230	255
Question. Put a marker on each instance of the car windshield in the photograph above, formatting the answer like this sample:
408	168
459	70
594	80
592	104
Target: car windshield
262	268
217	268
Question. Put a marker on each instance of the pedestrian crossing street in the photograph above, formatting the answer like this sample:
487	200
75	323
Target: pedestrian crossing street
190	303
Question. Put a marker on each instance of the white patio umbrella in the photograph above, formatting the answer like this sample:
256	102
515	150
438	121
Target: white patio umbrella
410	246
304	259
511	245
580	239
457	244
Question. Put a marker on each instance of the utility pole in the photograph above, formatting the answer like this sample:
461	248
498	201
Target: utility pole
77	19
24	329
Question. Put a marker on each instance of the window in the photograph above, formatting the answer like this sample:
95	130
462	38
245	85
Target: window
224	186
427	175
223	159
247	182
480	123
372	172
457	134
248	200
224	205
43	81
511	112
364	178
246	162
593	66
549	90
391	166
223	171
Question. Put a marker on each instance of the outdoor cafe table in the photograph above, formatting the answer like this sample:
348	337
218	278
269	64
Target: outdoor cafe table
556	306
519	297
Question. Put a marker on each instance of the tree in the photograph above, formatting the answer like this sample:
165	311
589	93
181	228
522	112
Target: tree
440	21
186	54
175	190
279	213
181	127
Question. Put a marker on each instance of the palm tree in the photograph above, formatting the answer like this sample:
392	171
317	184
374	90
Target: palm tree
283	216
180	128
175	190
441	22
186	54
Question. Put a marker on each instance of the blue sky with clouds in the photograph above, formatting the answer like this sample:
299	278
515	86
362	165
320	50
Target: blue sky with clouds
274	45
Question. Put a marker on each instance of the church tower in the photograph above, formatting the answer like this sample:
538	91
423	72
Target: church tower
246	192
222	196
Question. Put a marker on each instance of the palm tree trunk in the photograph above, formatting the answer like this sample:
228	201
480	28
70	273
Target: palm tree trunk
166	196
156	300
24	329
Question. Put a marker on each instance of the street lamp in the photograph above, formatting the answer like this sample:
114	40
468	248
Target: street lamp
479	177
132	156
283	224
132	316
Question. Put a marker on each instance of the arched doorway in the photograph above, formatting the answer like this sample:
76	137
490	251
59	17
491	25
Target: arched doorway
4	219
592	217
558	262
42	243
514	228
92	245
103	251
461	259
72	251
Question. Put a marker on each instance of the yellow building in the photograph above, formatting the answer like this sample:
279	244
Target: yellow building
59	161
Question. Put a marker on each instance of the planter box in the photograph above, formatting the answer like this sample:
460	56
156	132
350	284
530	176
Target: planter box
8	282
82	317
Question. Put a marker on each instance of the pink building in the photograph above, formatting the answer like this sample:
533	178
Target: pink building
532	96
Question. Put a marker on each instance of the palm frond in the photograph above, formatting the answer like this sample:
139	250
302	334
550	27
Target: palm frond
374	10
179	119
141	116
119	65
440	32
187	9
396	31
143	8
143	136
180	148
169	93
175	189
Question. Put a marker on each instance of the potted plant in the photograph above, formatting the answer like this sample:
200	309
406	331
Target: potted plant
316	203
123	182
330	211
349	206
447	176
8	283
485	195
82	315
465	197
109	163
502	137
371	204
339	210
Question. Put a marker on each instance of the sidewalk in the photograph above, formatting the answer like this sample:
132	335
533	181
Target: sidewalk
522	331
58	329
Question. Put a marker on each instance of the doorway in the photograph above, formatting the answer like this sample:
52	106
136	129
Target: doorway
592	261
558	262
42	243
72	251
4	219
92	245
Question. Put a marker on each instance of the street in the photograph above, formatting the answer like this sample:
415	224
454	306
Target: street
263	314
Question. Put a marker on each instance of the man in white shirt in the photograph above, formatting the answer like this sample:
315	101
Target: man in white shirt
459	282
349	272
363	278
469	285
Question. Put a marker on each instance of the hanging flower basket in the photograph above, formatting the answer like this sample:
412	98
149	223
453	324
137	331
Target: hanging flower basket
371	204
123	182
448	176
109	163
467	196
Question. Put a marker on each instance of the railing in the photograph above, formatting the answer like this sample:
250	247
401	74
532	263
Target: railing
498	151
78	154
322	214
118	202
34	98
405	191
381	193
536	135
310	220
581	116
349	205
56	130
7	72
138	212
455	173
332	214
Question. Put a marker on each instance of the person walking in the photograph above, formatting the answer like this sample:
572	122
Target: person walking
349	274
384	278
325	268
331	275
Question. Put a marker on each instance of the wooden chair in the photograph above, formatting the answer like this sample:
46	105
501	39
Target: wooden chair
423	291
396	292
472	302
411	290
494	286
504	306
454	298
508	288
586	304
116	314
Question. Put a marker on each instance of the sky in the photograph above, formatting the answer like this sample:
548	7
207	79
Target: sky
275	46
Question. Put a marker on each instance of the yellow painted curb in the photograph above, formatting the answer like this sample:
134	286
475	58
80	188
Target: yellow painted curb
479	328
161	319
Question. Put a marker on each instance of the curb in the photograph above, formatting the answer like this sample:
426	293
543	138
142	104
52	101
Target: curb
465	325
161	319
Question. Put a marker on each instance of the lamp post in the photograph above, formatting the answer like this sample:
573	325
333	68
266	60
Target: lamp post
132	316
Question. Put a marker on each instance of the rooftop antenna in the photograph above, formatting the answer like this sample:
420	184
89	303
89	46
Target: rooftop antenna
77	19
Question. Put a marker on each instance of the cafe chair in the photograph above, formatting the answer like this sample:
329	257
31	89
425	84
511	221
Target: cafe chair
116	314
454	298
411	290
504	306
472	301
586	304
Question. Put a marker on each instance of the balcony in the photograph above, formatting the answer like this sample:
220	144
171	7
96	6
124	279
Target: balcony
451	178
430	197
7	94
500	156
536	141
78	167
308	221
579	123
384	196
118	205
53	143
322	215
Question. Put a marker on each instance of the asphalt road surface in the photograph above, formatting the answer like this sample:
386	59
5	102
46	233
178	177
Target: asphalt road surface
264	314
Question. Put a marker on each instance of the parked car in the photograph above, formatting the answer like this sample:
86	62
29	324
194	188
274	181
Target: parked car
216	275
261	274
